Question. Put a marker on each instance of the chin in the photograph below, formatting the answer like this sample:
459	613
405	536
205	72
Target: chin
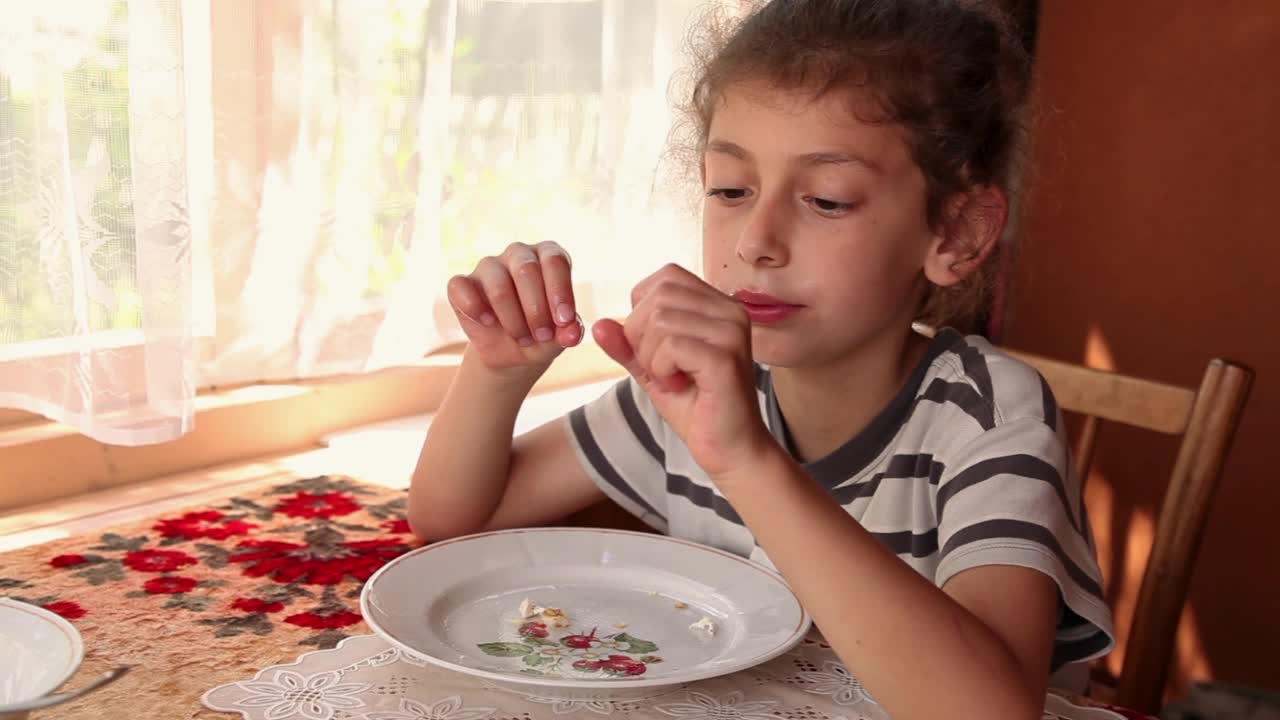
778	351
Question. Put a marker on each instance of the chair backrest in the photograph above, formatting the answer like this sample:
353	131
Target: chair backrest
1206	419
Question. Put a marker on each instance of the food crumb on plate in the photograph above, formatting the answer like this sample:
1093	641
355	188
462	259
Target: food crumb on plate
620	626
704	625
529	609
681	605
555	617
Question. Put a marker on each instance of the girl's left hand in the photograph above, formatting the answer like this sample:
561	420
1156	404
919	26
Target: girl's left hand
689	346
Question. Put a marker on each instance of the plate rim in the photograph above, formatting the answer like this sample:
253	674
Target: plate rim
604	687
69	630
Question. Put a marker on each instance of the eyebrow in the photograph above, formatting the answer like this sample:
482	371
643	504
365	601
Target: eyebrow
724	147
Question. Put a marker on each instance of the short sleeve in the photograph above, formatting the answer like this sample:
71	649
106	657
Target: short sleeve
618	439
1008	498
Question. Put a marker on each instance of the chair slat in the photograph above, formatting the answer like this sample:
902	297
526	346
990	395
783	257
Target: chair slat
1112	396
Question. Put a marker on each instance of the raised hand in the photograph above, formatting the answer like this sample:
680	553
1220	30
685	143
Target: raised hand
517	309
689	347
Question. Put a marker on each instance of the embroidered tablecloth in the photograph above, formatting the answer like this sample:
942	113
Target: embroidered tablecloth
252	604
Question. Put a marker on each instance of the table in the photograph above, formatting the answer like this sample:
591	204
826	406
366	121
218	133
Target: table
255	600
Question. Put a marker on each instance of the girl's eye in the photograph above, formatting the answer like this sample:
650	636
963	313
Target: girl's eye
728	194
829	207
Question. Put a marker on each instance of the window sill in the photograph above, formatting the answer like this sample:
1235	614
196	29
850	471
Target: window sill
45	461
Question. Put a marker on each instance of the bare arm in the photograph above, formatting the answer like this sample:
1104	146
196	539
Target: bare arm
518	313
981	645
471	476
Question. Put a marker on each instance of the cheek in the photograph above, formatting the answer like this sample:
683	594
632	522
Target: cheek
717	249
871	272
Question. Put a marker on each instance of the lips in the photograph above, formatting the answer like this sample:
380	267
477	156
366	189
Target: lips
765	309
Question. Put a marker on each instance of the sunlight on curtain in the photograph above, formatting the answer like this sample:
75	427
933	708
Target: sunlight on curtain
367	150
96	318
199	193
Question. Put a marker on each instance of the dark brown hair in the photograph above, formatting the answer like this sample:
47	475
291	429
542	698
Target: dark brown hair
951	73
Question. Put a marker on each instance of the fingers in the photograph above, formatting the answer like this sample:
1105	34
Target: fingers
673	303
685	359
675	295
557	278
611	338
526	293
666	331
469	304
674	306
669	274
501	293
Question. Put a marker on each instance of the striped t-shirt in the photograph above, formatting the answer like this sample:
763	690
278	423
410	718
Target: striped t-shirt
967	466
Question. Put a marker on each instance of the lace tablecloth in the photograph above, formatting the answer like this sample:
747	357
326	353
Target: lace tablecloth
364	678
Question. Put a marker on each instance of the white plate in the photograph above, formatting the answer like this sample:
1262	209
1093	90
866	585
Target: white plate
38	652
455	604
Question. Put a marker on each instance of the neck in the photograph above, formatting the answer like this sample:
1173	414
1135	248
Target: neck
826	405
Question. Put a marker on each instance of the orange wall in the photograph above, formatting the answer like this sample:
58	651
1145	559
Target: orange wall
1153	227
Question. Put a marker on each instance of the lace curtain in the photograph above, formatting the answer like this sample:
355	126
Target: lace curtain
96	316
199	193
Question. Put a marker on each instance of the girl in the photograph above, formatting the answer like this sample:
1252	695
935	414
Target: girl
915	492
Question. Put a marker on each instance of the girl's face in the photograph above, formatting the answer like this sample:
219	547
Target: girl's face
815	220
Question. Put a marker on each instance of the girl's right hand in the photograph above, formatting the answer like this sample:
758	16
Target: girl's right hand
517	309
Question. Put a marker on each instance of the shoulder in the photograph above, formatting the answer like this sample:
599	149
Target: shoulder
1000	388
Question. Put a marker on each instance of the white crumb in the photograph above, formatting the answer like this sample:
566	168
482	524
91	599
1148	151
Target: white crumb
555	617
704	625
620	626
528	609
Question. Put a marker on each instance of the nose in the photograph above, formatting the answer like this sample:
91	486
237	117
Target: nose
762	241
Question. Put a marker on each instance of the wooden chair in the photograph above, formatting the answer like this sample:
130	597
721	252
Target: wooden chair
1206	419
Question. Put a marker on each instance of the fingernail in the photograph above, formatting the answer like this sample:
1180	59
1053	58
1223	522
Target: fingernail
525	341
564	314
543	334
488	320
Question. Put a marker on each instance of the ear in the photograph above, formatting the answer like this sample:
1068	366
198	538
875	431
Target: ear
971	229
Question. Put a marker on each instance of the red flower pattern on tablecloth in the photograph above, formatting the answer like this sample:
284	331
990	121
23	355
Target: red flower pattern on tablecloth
158	560
203	524
169	585
326	505
308	535
288	562
66	608
398	526
254	605
63	561
341	618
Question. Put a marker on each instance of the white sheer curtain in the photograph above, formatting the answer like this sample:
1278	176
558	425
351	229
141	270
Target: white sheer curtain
96	317
320	171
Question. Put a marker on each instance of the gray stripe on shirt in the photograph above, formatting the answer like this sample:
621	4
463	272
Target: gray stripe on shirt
601	464
963	396
899	467
1005	528
635	421
1021	465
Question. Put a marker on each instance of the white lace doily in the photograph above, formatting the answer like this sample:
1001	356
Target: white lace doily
364	678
